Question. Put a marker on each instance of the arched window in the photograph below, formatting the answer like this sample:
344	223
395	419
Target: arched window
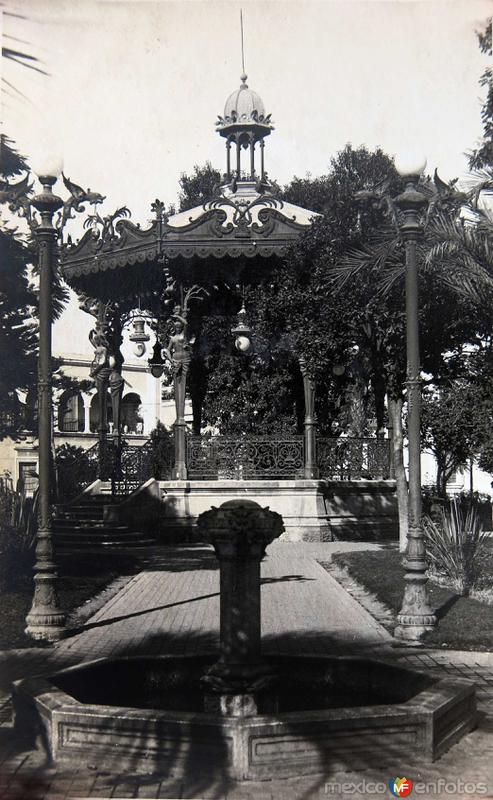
131	420
71	412
94	413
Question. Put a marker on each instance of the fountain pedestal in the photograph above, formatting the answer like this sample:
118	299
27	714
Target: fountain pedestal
239	531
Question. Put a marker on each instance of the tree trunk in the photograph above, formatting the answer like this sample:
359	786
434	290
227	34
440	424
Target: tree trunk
439	480
379	396
395	416
197	400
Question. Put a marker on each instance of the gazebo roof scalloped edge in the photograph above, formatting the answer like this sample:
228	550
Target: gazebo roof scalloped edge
243	223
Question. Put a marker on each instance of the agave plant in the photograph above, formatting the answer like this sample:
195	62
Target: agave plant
454	543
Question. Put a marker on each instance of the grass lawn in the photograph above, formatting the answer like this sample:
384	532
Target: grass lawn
82	575
464	623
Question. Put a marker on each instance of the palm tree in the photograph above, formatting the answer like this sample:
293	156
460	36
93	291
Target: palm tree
18	56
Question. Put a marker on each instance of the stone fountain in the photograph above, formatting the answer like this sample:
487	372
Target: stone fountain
245	716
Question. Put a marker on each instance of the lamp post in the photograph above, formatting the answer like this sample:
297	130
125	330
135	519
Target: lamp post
45	619
415	617
310	471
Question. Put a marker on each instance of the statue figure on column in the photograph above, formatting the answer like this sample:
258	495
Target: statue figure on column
106	366
179	353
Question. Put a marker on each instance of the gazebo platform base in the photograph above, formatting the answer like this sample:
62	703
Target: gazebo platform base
312	510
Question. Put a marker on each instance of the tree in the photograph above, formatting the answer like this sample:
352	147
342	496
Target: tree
197	188
18	334
483	155
19	308
449	429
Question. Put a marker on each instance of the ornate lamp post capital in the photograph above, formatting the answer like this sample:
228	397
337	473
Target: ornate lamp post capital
46	202
411	202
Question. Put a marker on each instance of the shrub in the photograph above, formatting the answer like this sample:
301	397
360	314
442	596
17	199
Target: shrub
7	500
75	469
161	451
16	557
454	542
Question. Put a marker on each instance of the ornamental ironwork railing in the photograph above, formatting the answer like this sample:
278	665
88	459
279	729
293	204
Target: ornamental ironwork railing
139	463
126	470
74	475
352	458
241	457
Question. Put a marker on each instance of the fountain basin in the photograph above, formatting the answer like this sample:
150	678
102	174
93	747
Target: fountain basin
145	714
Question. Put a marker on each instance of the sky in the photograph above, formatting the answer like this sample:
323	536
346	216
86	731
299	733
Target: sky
134	88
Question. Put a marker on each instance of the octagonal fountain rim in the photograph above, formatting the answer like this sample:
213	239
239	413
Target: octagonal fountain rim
285	743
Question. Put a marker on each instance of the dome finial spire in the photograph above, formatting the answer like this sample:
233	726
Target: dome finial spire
243	74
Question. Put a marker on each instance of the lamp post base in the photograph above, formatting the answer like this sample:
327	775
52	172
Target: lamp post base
45	623
47	628
416	617
412	633
45	620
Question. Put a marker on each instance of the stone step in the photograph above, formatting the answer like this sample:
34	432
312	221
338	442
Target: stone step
85	511
76	520
65	544
84	524
87	530
105	534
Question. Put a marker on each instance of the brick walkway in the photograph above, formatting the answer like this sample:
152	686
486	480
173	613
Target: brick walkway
173	606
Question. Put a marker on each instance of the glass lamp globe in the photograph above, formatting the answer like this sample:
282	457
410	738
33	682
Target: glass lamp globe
47	165
410	162
243	344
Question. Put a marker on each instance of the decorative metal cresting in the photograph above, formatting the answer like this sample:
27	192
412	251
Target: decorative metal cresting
19	200
242	457
45	619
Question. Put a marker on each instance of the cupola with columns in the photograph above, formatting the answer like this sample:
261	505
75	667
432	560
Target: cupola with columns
244	125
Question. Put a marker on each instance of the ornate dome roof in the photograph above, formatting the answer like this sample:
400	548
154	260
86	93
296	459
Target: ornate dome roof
244	105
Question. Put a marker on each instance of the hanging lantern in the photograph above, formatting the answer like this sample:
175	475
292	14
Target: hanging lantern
242	332
139	336
156	363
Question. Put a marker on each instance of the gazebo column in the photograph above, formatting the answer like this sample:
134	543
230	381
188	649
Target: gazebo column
311	469
116	384
180	427
102	384
238	159
228	158
262	169
87	412
252	157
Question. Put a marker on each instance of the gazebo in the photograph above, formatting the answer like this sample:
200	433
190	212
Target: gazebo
236	236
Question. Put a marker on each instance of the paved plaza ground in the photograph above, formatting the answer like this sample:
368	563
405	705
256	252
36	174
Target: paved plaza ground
172	606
